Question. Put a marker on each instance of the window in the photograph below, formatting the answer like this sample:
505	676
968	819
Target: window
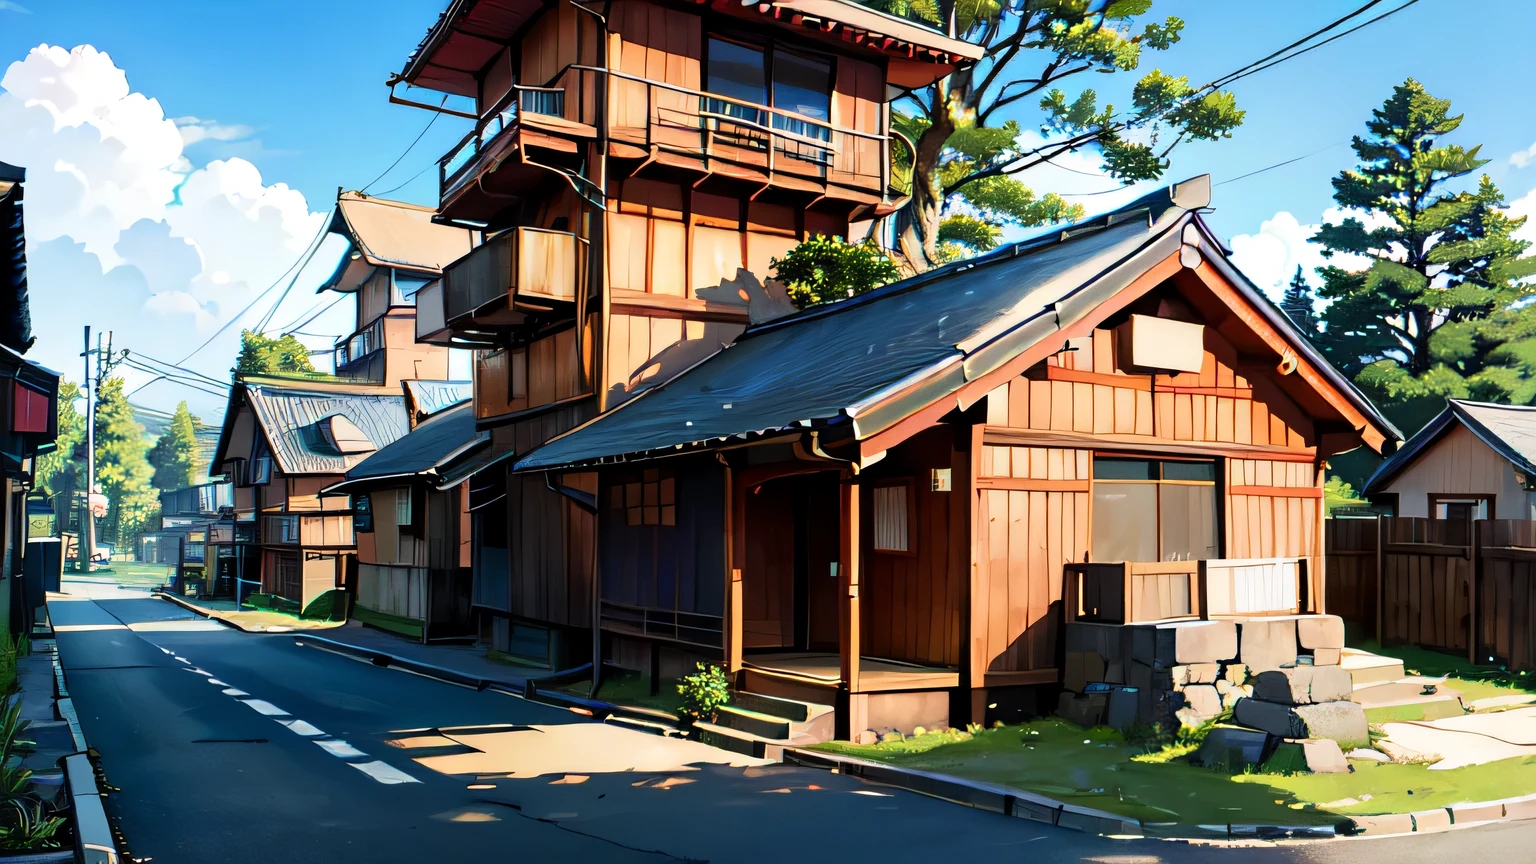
402	507
288	527
892	517
362	513
802	85
647	499
1154	510
260	471
737	72
743	74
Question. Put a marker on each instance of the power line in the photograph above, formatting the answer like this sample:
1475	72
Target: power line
1299	42
1280	164
192	383
435	115
408	182
1272	60
324	225
317	314
139	355
261	327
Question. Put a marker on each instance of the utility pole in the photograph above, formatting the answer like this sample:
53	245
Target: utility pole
87	521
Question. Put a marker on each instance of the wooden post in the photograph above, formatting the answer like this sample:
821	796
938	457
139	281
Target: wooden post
731	631
1381	573
849	579
1473	580
1127	601
1202	589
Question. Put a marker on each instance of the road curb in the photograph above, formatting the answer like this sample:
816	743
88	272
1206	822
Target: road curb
206	613
1008	801
94	843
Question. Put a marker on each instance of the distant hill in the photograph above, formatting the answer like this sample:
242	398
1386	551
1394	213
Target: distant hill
156	422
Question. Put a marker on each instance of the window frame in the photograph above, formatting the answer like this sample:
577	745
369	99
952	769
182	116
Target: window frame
1217	484
632	508
767	46
910	484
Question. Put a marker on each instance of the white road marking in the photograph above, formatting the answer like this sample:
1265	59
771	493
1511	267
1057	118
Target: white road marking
217	683
233	692
300	727
82	628
262	706
340	749
384	772
198	671
176	626
183	660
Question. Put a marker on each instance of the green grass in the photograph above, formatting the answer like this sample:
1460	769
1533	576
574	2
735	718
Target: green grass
130	574
1050	757
1412	713
1405	788
631	689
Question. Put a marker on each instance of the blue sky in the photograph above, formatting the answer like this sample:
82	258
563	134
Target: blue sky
297	90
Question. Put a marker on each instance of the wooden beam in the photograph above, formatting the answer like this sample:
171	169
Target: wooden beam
1024	484
1280	491
1014	679
1142	444
735	526
1472	586
848	573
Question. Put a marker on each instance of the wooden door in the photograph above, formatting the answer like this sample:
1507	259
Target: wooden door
768	574
820	556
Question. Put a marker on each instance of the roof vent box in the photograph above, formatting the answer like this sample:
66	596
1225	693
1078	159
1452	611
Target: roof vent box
1149	344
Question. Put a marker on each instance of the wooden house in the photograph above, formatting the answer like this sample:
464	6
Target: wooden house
393	250
884	508
28	404
634	169
411	517
1475	460
283	442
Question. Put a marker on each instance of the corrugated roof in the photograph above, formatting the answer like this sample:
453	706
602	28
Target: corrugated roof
1509	429
870	360
439	440
393	234
429	397
290	417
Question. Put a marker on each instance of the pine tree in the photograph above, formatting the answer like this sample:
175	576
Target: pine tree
174	456
266	355
59	473
122	467
1299	306
1441	311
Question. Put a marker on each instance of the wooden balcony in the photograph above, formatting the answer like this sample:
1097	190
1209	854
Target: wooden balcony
1131	592
517	275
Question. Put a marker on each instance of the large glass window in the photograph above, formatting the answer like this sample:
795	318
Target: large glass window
802	85
1154	510
737	72
743	73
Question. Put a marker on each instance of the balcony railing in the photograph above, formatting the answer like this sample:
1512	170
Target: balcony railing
1128	592
533	268
647	113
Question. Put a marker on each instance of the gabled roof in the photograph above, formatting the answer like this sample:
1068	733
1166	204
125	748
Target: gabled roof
439	441
15	305
392	234
429	397
292	415
1510	430
862	365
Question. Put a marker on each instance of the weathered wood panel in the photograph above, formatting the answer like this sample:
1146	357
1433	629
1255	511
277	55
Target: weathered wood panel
910	609
1350	547
1425	584
1459	464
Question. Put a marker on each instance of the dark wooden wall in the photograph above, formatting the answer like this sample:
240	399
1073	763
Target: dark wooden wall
669	567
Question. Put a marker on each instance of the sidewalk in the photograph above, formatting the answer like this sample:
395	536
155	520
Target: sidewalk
248	620
466	660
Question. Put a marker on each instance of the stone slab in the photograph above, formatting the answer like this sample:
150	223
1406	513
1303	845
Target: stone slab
1230	748
1203	699
1175	643
1368	668
1326	656
1408	691
1303	685
1203	673
1389	823
1319	631
1343	722
1237	673
1426	821
1267	643
1324	757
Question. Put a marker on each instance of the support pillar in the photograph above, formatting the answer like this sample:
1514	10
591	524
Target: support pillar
848	574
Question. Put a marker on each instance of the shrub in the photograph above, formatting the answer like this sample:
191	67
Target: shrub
24	823
827	269
704	693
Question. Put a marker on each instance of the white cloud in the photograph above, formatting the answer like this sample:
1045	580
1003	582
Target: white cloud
1522	158
1271	256
194	129
125	233
8	6
1525	206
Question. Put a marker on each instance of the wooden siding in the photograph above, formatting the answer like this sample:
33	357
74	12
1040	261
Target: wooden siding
517	379
912	602
1350	549
1459	463
551	43
1425	583
644	351
1026	533
768	573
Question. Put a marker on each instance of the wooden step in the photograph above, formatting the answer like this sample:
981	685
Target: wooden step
775	697
789	687
745	720
762	703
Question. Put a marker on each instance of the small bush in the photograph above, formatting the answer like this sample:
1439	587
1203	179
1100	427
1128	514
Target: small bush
704	693
828	269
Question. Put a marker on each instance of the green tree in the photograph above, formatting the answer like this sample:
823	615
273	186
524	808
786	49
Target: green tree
967	159
174	456
1298	304
828	269
58	473
267	355
122	467
1442	309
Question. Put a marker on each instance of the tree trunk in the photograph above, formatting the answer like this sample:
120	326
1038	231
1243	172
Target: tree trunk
917	224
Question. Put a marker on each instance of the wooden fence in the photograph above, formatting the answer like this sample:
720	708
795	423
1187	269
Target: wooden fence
1444	584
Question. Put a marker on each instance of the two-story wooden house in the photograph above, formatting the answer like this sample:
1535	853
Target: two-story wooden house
283	442
884	509
635	167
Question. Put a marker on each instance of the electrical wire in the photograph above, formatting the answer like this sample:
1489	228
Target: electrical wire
192	383
261	326
1281	164
319	235
317	314
1272	60
408	182
1299	42
141	356
435	115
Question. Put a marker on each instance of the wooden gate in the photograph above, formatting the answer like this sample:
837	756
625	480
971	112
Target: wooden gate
1426	583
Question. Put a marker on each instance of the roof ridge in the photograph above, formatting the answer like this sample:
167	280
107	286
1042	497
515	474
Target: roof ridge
365	198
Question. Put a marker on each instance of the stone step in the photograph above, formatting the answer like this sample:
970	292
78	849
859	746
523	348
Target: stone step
1367	668
789	709
748	744
744	720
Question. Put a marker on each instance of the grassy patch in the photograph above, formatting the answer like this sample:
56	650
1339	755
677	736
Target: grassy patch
130	574
1411	713
1094	768
629	689
1404	788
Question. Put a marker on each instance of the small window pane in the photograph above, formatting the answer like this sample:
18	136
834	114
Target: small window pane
652	493
1124	469
669	515
666	490
736	71
1189	522
632	495
890	519
632	515
652	515
1124	522
802	85
1190	471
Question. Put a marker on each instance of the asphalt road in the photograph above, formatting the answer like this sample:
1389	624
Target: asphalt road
211	736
